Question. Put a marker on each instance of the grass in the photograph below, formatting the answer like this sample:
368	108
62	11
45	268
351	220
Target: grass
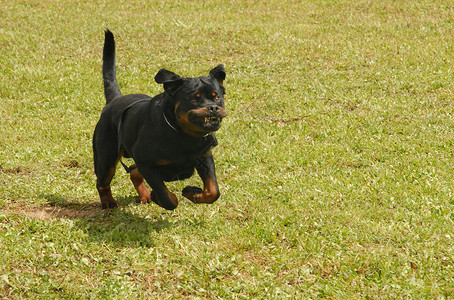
335	163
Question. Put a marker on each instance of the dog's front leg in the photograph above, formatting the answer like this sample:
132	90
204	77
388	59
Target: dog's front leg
160	194
210	192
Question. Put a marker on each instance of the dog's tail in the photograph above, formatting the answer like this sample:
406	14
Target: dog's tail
111	89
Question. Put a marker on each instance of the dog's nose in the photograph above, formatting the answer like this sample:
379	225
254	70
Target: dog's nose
213	109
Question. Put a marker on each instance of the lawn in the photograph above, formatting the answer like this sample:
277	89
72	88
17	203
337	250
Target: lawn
335	164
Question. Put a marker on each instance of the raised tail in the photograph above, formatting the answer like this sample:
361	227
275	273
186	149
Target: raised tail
111	89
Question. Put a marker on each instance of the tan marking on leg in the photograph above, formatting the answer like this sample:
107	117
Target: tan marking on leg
208	195
139	184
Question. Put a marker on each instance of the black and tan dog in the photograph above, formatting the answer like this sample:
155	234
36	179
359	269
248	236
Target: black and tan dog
167	136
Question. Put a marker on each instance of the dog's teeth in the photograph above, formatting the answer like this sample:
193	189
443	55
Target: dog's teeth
209	119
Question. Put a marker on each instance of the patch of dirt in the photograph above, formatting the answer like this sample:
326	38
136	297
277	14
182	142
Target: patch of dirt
15	170
285	122
48	212
72	163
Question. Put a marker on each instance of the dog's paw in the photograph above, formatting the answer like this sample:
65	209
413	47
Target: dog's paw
143	201
109	205
193	193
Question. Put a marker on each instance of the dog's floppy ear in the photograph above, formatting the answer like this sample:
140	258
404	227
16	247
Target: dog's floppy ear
170	80
218	73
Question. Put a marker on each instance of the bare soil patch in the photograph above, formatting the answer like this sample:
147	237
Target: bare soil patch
47	212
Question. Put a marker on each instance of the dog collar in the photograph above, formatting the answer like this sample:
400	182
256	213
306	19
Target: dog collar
168	123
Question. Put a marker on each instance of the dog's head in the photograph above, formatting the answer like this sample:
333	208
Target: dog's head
198	102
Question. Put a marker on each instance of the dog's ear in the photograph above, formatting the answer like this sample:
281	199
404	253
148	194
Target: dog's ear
218	73
170	80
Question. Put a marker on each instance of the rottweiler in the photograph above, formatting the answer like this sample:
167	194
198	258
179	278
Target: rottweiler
167	136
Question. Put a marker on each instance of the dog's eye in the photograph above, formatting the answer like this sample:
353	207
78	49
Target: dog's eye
196	100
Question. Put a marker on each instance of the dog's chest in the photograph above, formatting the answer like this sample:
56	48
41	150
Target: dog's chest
183	150
172	150
176	161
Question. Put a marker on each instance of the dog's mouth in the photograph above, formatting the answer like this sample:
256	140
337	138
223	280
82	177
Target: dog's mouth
208	123
202	121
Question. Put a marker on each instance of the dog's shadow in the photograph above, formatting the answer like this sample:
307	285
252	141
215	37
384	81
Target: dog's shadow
118	226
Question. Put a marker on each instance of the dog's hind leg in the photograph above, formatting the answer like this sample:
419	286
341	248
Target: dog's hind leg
104	177
106	158
139	184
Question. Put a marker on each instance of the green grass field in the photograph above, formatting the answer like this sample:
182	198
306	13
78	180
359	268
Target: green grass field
336	162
